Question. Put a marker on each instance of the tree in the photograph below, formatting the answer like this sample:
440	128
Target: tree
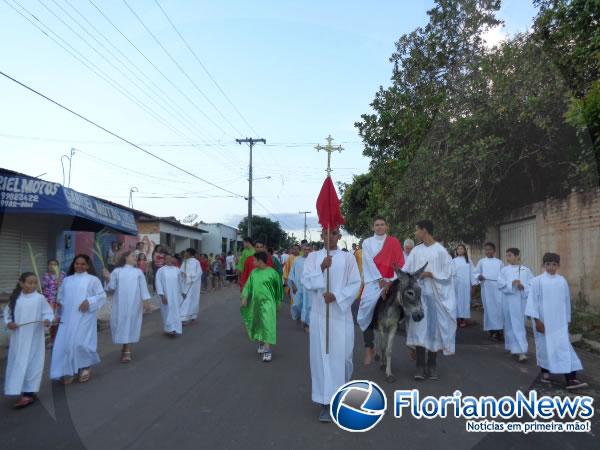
266	230
465	134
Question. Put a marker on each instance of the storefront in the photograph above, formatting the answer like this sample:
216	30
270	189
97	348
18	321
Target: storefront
34	215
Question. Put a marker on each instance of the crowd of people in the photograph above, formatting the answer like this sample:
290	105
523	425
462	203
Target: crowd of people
322	285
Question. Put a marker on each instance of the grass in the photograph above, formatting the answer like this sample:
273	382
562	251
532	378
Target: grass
587	324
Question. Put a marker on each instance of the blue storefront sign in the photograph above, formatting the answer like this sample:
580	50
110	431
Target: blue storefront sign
21	194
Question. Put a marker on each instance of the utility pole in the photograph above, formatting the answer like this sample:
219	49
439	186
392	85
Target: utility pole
305	213
250	142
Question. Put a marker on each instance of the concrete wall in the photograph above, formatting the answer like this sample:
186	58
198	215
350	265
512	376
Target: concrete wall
212	241
571	228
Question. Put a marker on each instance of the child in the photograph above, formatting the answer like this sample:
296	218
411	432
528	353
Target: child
168	286
130	301
487	272
513	283
261	296
462	279
81	296
26	315
51	282
549	306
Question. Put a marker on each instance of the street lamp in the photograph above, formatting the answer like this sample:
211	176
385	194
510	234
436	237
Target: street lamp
131	191
70	158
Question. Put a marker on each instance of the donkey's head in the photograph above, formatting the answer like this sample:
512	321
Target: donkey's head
409	293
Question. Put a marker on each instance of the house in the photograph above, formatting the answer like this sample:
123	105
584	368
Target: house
220	238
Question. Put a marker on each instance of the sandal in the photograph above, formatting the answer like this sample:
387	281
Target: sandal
85	375
24	402
125	357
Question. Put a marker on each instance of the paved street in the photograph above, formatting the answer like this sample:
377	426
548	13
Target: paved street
208	389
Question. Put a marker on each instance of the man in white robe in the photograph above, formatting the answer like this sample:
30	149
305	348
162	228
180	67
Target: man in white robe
437	330
75	347
168	286
130	300
513	283
191	273
549	306
330	370
487	272
407	247
26	352
375	282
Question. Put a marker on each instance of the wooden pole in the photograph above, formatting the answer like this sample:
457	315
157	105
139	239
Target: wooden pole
327	310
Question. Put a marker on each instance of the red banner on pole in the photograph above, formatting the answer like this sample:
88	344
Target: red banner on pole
328	206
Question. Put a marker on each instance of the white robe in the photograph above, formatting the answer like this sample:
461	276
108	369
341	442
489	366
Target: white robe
549	300
371	276
26	352
130	290
463	280
437	330
77	338
190	287
168	286
330	371
513	305
295	276
493	315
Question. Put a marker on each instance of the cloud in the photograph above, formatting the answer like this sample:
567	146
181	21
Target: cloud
288	221
494	36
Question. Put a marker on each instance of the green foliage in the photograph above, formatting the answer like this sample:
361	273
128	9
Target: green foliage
465	134
268	231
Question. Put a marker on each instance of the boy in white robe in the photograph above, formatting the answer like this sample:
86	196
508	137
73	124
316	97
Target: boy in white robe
168	286
191	273
330	370
130	301
26	315
549	306
463	280
75	348
487	272
513	283
437	330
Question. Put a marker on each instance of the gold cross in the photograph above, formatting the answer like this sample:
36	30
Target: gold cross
329	149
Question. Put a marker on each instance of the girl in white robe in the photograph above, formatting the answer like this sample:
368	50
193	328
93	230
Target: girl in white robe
549	306
332	370
191	273
130	301
463	280
81	296
26	315
168	286
513	283
487	272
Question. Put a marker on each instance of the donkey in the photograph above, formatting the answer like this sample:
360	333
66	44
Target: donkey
403	299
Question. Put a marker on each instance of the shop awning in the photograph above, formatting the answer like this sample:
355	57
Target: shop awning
22	194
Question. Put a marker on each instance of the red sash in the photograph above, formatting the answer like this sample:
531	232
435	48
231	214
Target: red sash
390	258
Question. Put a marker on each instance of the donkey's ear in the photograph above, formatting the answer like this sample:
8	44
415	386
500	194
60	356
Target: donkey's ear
418	273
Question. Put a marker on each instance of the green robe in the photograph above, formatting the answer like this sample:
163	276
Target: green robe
243	257
263	292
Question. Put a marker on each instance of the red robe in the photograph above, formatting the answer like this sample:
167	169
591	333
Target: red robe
249	266
390	258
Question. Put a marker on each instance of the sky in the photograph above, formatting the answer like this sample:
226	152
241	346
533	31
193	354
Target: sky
289	72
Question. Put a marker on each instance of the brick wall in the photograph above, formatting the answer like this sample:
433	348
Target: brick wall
571	228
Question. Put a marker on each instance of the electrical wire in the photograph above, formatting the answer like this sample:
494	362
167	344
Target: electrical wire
91	122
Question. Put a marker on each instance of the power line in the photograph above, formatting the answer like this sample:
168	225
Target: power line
181	69
204	67
91	122
165	103
89	64
162	74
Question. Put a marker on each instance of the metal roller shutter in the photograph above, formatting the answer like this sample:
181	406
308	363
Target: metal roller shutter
15	258
523	236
